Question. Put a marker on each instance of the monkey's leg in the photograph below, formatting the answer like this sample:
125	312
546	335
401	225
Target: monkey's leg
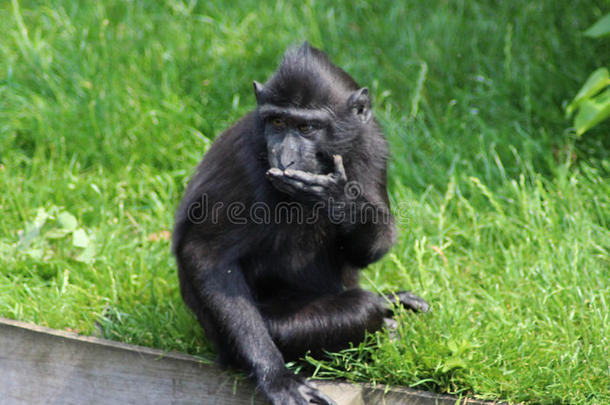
218	293
324	323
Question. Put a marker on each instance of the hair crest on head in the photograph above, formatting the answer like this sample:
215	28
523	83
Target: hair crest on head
306	78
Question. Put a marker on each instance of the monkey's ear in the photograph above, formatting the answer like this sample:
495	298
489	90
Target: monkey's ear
258	91
360	104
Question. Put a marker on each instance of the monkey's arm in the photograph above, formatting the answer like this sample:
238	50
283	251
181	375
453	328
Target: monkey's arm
221	299
367	241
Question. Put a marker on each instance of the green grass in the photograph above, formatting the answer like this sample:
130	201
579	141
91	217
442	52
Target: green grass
106	107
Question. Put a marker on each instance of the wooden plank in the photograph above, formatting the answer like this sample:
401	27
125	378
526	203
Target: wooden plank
44	366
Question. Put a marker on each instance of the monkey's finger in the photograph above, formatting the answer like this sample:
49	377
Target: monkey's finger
279	182
315	190
311	393
309	178
322	399
287	182
304	187
294	187
276	175
274	171
410	301
299	175
339	169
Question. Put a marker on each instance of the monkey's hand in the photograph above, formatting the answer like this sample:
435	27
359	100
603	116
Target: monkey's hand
290	389
310	186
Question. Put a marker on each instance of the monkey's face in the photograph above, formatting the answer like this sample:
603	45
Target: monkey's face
310	111
294	141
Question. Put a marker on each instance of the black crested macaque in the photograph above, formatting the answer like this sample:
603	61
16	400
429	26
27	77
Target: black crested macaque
284	209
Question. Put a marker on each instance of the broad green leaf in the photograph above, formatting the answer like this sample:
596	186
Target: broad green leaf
87	255
6	249
454	363
596	82
34	253
592	112
600	29
452	346
41	217
32	229
80	238
57	233
67	221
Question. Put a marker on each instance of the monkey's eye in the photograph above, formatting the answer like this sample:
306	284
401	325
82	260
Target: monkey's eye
305	128
277	122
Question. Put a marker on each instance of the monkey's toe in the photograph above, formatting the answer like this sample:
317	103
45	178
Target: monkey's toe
410	301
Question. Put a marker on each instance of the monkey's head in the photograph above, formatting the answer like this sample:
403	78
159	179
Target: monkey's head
310	110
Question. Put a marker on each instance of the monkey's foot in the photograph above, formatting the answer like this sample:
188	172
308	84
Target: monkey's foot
391	325
409	301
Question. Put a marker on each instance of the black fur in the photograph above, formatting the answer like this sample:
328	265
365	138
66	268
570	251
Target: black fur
269	292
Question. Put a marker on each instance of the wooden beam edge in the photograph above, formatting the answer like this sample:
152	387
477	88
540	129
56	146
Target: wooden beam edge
141	375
